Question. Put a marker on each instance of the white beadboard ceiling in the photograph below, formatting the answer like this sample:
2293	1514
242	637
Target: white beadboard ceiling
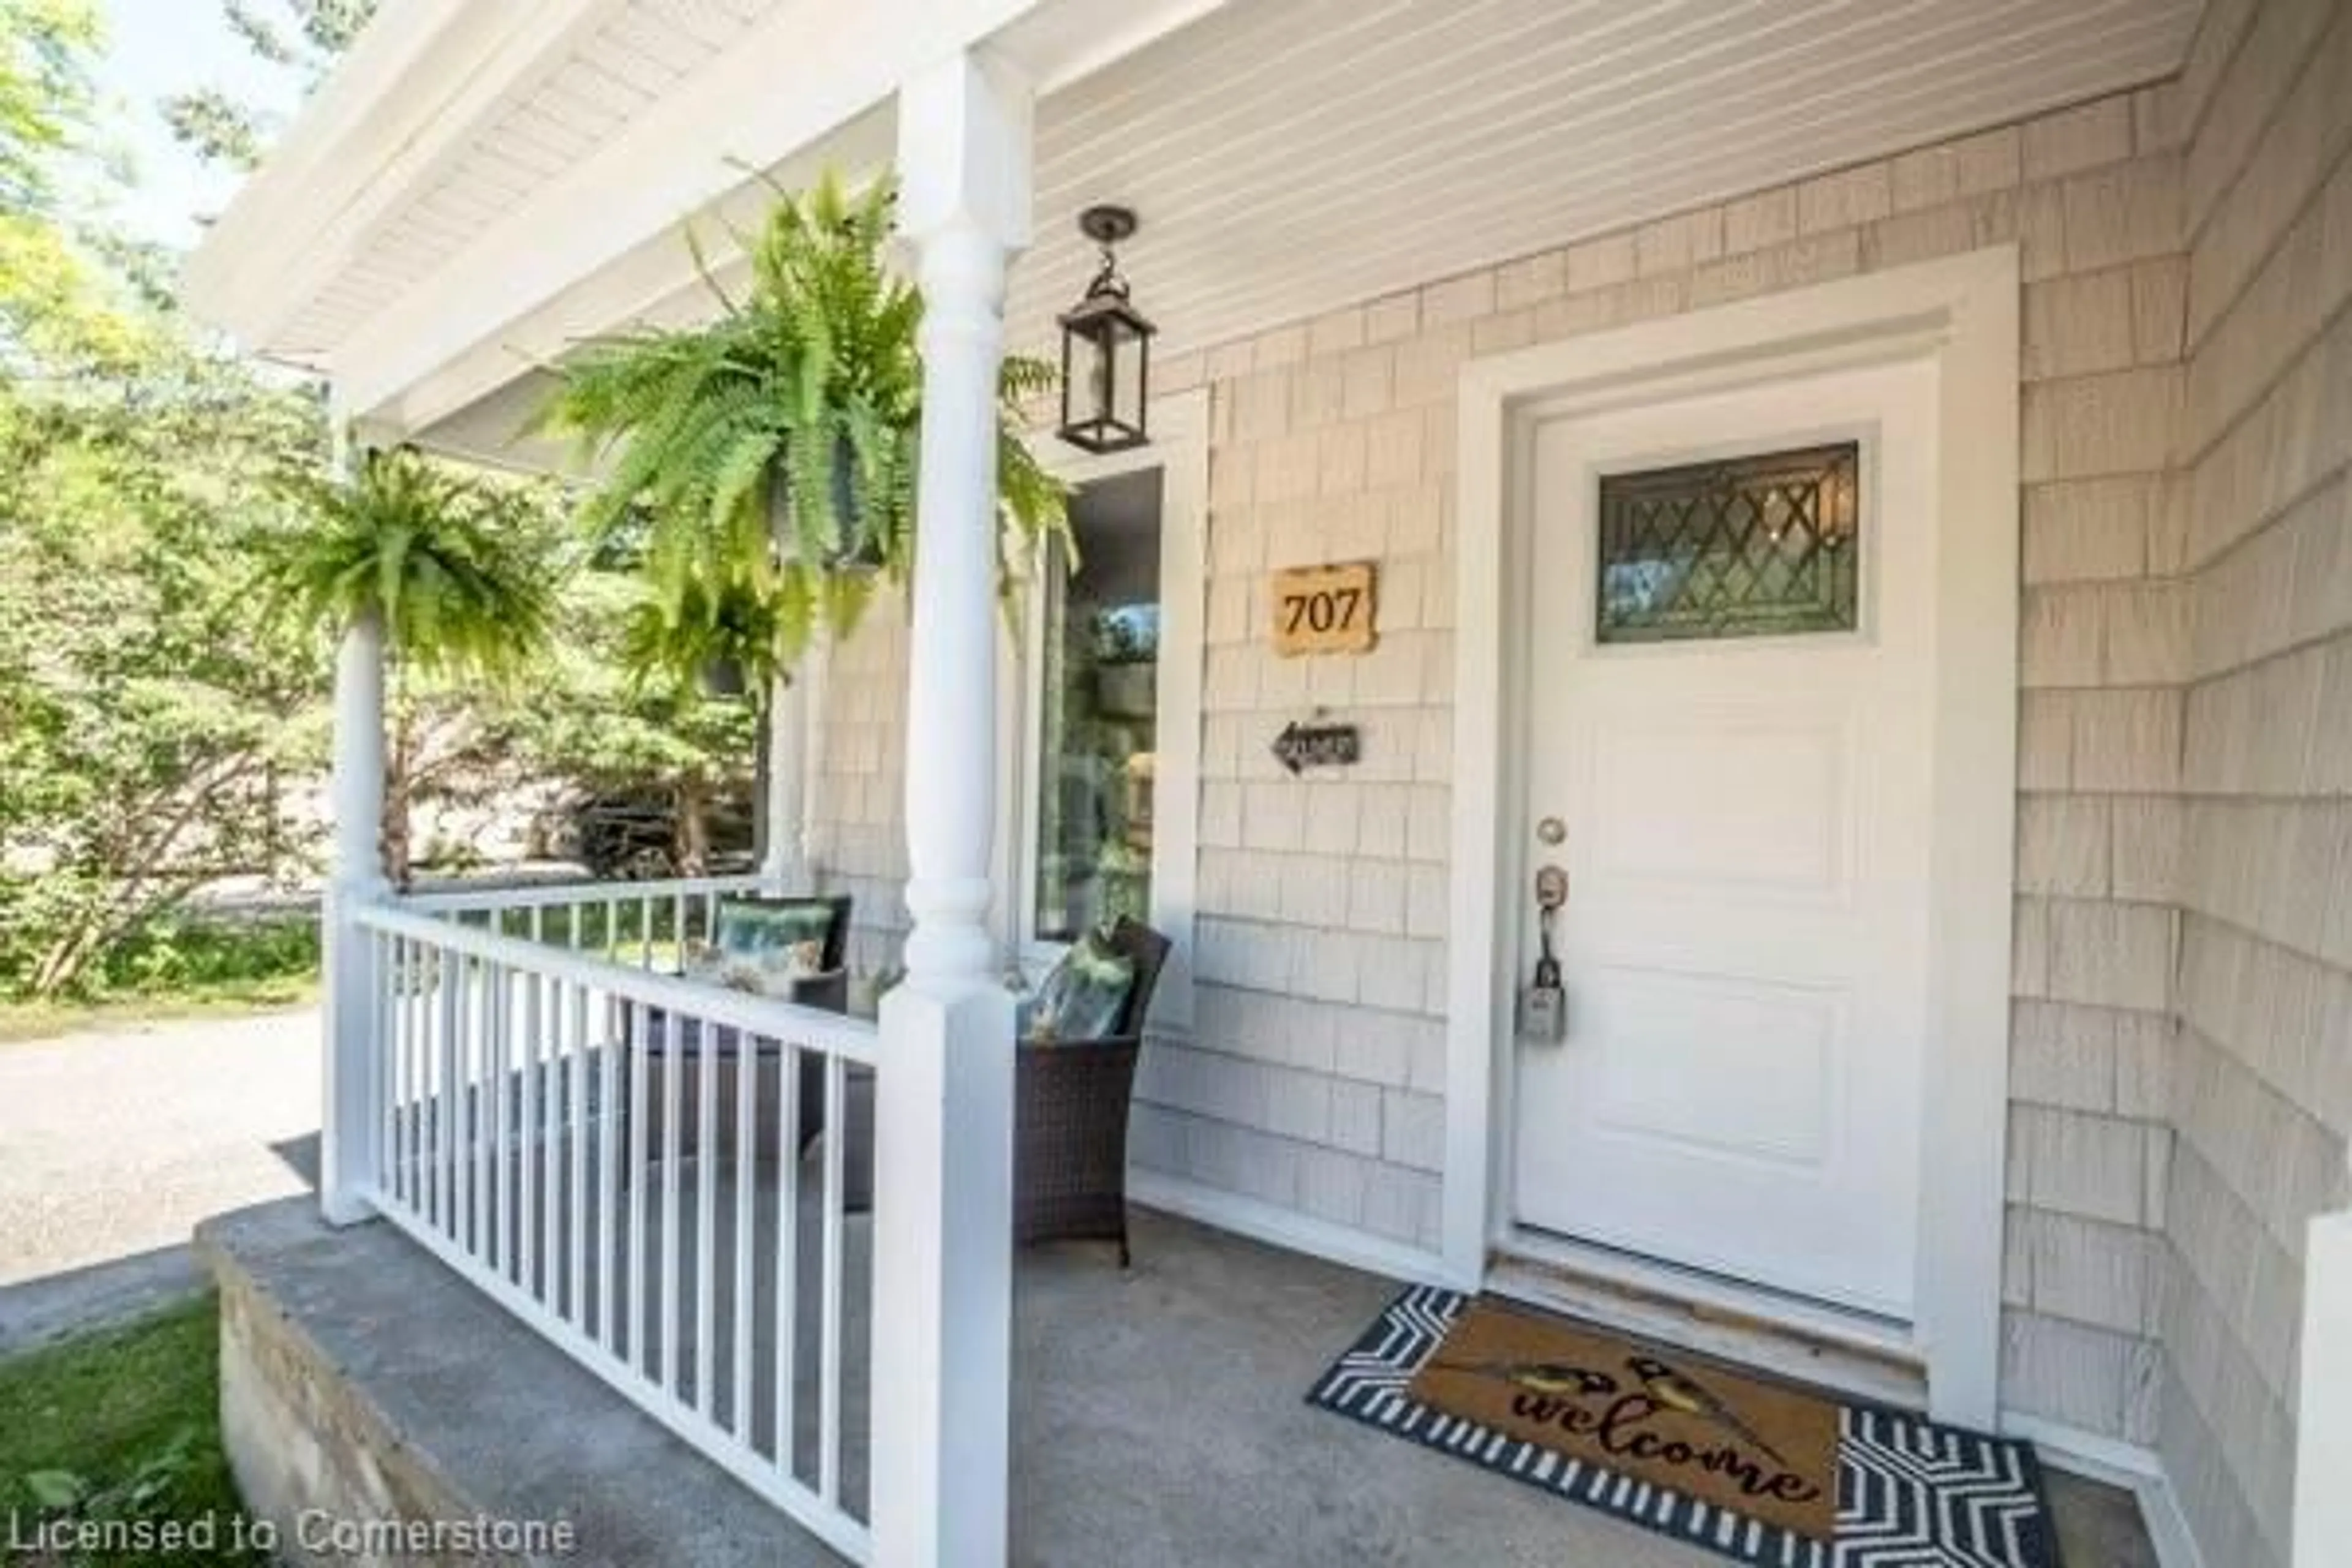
1289	156
606	68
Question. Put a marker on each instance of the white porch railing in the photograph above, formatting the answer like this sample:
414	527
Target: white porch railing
615	1155
641	923
491	1094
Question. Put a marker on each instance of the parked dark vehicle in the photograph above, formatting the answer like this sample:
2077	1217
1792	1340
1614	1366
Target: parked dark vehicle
642	834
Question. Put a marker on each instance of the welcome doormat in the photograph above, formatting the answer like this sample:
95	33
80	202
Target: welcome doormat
1761	1471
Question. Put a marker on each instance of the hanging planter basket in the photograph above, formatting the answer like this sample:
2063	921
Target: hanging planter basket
708	428
855	544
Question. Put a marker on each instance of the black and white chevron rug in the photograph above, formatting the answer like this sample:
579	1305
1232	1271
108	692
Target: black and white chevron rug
1911	1494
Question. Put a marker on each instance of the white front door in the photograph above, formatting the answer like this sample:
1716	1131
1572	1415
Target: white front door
1743	775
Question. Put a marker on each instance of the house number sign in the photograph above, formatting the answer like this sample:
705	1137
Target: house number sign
1325	609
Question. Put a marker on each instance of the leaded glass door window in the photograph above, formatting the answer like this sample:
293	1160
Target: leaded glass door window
1765	545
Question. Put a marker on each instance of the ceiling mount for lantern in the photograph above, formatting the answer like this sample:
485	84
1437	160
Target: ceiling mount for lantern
1106	348
1107	226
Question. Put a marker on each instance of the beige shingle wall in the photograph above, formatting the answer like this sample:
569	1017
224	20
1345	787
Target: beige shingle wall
1314	1077
857	802
2185	752
2262	1083
1314	1080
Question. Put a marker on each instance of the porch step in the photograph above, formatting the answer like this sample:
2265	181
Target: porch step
1847	1365
363	1382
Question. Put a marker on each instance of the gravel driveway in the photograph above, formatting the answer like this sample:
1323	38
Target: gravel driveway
116	1143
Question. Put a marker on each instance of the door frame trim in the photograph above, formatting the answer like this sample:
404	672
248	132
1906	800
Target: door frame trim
1963	312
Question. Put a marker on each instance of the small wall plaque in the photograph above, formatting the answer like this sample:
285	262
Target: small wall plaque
1325	609
1303	746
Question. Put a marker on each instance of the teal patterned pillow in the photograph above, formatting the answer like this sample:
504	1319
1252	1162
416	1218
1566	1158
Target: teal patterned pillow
773	934
1083	995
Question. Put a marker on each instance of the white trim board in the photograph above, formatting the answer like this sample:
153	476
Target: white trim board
1805	1321
2167	1525
1962	312
2125	1466
1284	1227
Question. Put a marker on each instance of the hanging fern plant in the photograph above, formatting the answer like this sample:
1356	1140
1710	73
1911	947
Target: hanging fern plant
771	452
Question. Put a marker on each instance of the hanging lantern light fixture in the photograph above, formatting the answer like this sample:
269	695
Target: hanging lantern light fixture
1106	348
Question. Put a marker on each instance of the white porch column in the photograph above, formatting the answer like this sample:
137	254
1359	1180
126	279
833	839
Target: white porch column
2322	1500
347	1128
785	866
943	1176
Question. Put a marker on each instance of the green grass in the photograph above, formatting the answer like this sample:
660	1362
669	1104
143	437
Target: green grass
126	1424
180	968
192	955
23	1022
196	969
667	958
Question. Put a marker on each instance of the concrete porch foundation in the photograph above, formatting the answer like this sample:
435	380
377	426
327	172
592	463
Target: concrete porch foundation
1159	1421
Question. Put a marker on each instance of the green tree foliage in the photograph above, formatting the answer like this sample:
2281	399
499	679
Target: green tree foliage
218	127
158	728
44	94
628	701
63	307
306	37
146	722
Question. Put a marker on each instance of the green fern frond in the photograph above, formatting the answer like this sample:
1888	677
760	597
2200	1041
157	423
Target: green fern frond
806	390
454	568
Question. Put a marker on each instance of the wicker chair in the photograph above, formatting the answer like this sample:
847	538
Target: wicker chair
1070	1111
827	990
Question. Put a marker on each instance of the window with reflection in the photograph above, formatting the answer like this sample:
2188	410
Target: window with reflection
1098	712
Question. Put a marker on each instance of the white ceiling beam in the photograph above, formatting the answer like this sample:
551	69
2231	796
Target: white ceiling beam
313	150
810	66
656	282
602	244
447	72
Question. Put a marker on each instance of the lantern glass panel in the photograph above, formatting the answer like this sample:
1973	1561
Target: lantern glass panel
1124	352
1105	360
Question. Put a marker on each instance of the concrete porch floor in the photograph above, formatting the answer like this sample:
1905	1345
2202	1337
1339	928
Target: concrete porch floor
1159	1419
